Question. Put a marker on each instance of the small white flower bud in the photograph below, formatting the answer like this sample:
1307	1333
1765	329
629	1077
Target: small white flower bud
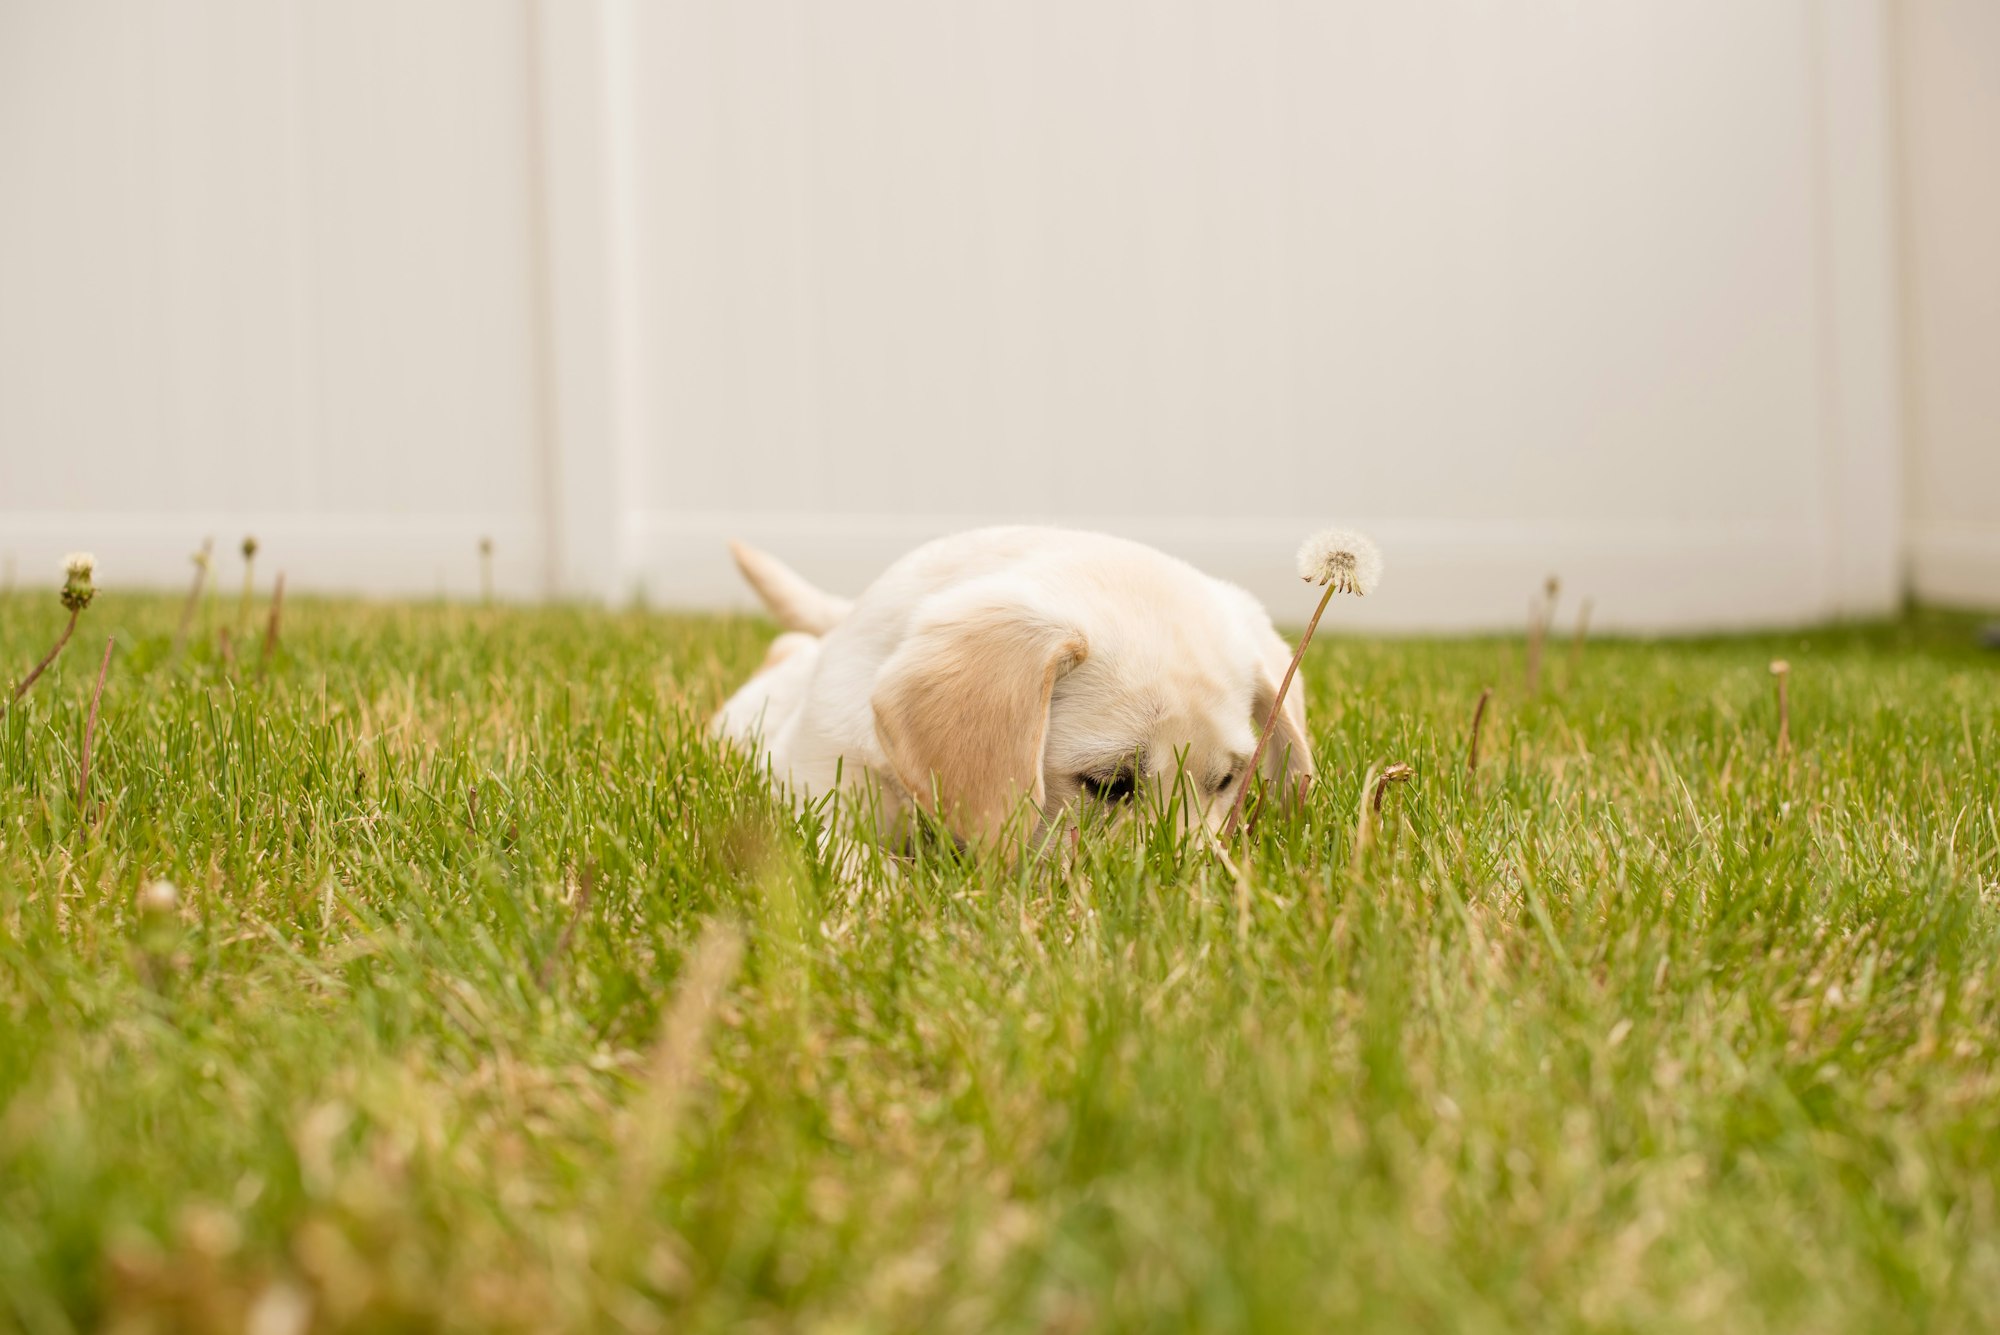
159	897
77	589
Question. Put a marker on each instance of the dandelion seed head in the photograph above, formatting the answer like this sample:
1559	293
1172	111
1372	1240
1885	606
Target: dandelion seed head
1349	561
79	565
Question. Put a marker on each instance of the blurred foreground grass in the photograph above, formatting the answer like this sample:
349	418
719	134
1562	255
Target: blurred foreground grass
497	997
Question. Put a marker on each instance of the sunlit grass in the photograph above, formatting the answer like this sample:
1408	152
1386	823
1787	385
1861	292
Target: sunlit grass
498	997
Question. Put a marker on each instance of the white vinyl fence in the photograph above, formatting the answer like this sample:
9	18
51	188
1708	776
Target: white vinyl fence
1619	292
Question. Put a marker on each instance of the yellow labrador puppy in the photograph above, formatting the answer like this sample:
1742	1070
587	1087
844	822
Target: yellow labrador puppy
996	679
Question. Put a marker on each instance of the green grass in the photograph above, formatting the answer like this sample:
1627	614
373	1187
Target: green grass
1644	1028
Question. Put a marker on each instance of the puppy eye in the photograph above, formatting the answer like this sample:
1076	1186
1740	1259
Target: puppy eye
1117	787
1228	779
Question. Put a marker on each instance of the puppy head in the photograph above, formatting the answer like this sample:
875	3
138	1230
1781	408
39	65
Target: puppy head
1120	689
1166	713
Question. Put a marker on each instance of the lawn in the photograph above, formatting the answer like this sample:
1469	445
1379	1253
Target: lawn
495	996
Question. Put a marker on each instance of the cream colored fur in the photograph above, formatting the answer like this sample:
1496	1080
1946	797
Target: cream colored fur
1004	678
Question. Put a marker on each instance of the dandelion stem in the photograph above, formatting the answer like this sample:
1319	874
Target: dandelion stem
1783	672
194	595
249	585
271	627
90	728
1270	724
43	666
1540	613
586	887
1478	718
1576	645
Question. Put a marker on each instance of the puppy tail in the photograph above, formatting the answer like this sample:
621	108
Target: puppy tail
796	604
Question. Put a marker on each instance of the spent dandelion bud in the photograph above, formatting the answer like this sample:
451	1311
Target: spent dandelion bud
249	547
1396	773
78	589
1342	560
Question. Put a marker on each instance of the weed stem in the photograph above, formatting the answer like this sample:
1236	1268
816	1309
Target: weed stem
90	729
1540	613
1270	723
271	627
1782	670
43	666
1576	645
1478	718
586	887
201	561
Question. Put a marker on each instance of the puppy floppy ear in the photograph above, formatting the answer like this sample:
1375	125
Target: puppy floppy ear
962	711
1288	758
